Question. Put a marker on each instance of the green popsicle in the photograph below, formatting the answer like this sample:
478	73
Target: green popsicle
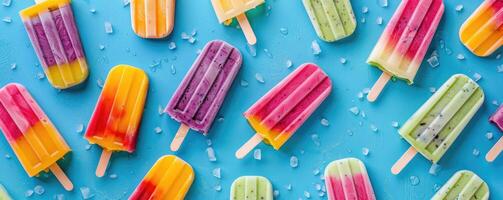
332	19
3	193
464	185
251	188
437	124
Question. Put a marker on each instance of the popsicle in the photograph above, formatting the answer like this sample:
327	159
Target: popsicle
497	119
278	114
198	98
116	118
169	178
482	32
55	38
462	185
437	124
251	188
403	44
152	18
348	179
228	9
4	195
32	136
332	19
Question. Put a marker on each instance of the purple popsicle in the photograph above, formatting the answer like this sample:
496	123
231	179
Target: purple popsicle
198	98
53	33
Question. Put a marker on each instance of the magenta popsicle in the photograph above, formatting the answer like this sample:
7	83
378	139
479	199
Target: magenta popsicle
198	98
403	44
497	119
278	114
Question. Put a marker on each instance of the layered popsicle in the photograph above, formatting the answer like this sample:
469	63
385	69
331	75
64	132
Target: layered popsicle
462	185
497	119
279	113
117	116
55	38
228	9
332	19
152	18
437	124
403	44
32	136
197	100
482	32
348	179
4	195
169	178
251	188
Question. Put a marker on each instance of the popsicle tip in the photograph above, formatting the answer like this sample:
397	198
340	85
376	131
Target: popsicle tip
179	137
61	176
371	98
489	158
174	147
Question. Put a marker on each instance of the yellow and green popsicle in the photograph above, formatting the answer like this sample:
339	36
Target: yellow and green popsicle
332	19
437	124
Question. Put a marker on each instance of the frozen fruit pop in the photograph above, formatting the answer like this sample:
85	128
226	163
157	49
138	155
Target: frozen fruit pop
228	9
32	136
482	33
55	38
332	19
251	188
437	124
198	98
169	178
463	185
278	114
497	119
116	118
348	179
403	44
3	193
152	18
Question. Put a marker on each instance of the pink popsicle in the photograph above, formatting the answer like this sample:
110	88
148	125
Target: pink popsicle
347	179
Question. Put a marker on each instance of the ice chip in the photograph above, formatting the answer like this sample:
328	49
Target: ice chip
39	190
283	31
267	53
355	110
172	46
383	3
379	20
108	28
307	194
79	128
289	63
294	162
157	130
315	47
217	172
414	180
477	77
259	78
6	3
86	193
460	57
489	135
257	154
324	122
244	83
342	60
475	152
365	9
211	154
433	61
434	169
459	7
251	50
316	139
394	124
365	151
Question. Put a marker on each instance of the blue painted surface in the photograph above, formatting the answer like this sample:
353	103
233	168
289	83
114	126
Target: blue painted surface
69	108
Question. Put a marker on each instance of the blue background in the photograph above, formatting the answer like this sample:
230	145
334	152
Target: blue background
69	108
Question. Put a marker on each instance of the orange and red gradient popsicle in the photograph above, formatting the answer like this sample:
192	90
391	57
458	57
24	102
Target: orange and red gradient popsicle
116	118
152	18
278	114
32	136
482	33
403	44
170	178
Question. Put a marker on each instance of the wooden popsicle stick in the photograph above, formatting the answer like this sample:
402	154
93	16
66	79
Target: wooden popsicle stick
495	151
248	146
179	137
403	161
61	176
378	86
103	163
247	29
